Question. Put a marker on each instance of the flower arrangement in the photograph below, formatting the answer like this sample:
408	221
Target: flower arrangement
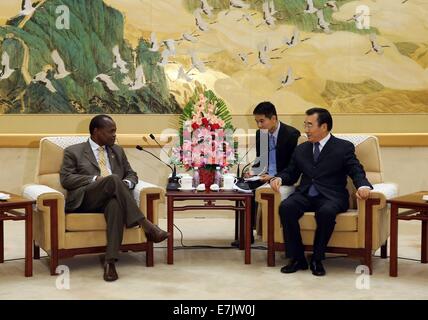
205	134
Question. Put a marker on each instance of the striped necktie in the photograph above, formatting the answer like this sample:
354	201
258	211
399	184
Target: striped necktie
102	162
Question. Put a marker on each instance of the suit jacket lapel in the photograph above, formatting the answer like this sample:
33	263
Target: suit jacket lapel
112	158
281	137
89	154
326	148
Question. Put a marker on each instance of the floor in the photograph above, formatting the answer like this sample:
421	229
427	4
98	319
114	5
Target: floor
212	273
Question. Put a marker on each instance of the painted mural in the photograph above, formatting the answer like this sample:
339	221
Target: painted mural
148	56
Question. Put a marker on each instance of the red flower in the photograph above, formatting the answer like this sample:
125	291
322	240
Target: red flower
205	122
215	126
195	126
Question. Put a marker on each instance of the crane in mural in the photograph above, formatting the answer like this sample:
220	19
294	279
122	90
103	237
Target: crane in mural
6	70
139	82
375	46
42	78
27	8
60	70
332	5
183	75
288	79
106	82
201	24
190	37
118	62
321	23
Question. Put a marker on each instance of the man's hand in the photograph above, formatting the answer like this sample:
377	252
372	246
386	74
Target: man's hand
276	184
363	193
247	175
265	177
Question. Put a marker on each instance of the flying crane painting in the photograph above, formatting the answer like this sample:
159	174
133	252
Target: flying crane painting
131	57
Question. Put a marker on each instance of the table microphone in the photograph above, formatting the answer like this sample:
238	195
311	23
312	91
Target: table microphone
173	184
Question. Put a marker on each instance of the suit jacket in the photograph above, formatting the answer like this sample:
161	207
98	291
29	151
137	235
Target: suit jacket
285	145
336	161
79	167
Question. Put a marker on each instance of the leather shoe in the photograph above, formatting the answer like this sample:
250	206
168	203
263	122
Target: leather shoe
295	265
156	234
317	268
110	273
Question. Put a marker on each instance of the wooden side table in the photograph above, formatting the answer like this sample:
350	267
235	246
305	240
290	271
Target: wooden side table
8	212
210	198
418	210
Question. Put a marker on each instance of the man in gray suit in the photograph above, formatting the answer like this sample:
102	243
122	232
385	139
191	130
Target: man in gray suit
99	178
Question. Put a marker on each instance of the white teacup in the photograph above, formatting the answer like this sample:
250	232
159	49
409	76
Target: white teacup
186	182
201	187
229	181
214	187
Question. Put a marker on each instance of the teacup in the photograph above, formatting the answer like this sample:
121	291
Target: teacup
186	182
229	181
214	187
201	187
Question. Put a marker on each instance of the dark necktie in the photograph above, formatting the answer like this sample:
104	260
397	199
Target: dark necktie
313	192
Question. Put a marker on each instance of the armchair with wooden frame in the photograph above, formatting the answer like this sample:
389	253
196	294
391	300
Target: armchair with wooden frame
359	232
64	235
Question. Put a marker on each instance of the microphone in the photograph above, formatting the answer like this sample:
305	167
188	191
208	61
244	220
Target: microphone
241	183
173	184
174	179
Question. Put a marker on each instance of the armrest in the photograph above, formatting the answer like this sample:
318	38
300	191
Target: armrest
148	197
389	190
43	226
284	191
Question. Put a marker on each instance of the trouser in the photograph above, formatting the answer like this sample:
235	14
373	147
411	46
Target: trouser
112	197
293	208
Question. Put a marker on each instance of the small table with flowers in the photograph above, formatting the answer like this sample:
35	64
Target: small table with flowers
242	204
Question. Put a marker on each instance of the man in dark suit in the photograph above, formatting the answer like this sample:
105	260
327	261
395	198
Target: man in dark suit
99	178
323	164
275	141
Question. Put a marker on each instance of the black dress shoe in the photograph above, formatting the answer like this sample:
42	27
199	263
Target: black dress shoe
156	234
295	265
110	273
317	268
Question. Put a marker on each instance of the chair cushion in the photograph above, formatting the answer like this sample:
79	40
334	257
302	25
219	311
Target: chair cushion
85	222
347	221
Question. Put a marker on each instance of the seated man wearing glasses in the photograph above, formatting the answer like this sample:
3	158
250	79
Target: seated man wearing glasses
323	163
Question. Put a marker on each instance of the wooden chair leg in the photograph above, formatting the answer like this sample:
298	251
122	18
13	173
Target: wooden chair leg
36	251
149	254
384	250
53	263
368	261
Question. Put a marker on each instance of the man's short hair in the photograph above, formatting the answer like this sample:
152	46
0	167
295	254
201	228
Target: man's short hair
324	116
98	121
265	108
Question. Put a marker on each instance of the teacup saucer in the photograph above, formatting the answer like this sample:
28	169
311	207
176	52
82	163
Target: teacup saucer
182	189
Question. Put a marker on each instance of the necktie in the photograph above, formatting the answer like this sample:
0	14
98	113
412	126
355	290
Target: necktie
272	155
313	192
102	162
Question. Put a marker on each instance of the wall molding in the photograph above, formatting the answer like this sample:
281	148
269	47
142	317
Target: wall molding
131	140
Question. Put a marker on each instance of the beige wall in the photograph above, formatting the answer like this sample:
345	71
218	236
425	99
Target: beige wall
406	166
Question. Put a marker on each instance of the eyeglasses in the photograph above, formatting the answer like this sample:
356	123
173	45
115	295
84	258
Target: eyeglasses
307	125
